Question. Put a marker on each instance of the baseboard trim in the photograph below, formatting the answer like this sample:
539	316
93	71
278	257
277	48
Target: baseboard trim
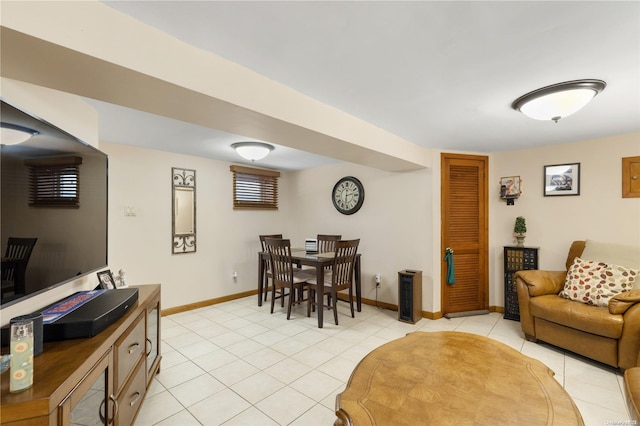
205	303
370	302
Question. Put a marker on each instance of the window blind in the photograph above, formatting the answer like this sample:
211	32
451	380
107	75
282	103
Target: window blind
255	188
54	182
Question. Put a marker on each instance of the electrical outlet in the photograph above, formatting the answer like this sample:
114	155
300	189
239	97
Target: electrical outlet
377	280
235	275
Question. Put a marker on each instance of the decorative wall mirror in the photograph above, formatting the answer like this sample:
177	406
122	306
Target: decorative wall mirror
183	210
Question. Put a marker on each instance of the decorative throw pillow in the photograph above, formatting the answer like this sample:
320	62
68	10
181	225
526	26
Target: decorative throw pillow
595	283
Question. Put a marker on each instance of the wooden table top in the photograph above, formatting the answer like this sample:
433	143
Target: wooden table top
434	378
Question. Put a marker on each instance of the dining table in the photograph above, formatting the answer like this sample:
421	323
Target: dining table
317	260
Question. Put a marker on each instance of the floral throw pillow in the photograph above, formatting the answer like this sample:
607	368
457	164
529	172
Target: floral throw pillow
595	283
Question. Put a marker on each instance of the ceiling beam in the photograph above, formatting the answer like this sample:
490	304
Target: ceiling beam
91	50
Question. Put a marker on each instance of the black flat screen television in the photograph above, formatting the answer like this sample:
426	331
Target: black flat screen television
71	241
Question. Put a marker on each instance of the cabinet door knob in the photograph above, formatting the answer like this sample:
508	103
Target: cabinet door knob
133	347
136	397
115	408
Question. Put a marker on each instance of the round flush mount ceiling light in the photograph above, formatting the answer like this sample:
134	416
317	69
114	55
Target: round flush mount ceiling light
252	151
558	100
12	134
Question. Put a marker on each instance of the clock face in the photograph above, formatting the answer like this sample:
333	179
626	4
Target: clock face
348	195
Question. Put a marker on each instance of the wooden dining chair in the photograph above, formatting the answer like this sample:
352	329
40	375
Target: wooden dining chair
327	243
286	280
339	278
267	264
14	265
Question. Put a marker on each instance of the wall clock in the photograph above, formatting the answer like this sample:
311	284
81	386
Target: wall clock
348	195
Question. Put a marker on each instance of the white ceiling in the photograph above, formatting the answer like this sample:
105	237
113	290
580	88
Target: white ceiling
439	74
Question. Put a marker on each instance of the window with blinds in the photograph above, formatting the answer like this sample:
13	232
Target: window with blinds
255	188
54	182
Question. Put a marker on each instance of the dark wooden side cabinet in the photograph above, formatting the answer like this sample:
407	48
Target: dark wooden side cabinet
516	259
101	380
410	296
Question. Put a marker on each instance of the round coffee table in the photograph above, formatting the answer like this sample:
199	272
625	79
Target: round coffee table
452	378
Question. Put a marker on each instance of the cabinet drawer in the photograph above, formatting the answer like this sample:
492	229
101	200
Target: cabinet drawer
132	396
128	351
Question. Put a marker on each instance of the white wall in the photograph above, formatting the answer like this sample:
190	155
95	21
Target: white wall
227	240
598	213
394	223
399	223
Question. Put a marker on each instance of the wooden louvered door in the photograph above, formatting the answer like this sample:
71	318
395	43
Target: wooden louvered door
465	224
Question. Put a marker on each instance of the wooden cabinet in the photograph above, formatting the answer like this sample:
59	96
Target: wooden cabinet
516	259
153	338
99	380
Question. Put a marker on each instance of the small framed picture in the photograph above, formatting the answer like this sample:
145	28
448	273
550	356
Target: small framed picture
510	187
562	179
106	280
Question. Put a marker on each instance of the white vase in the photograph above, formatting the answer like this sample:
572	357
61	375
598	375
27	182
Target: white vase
520	240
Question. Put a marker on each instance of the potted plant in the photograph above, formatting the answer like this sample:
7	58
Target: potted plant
519	230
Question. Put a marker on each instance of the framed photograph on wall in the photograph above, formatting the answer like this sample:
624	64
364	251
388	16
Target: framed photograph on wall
106	280
510	187
562	179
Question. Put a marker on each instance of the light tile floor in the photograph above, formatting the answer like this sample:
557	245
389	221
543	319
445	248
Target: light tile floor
236	364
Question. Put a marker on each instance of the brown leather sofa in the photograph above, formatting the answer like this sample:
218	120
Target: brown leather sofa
610	335
632	392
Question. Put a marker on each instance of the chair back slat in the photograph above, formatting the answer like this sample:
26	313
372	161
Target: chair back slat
280	256
343	263
19	250
263	244
264	237
327	243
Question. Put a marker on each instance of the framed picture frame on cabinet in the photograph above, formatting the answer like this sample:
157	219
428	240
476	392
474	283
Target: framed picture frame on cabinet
106	280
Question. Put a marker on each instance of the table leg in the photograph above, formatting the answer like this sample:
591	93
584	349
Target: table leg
358	284
260	278
319	293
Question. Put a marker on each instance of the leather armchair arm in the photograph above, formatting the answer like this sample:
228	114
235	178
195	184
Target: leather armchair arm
619	304
532	283
627	304
539	283
629	343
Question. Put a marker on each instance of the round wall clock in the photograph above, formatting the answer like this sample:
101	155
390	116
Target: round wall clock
348	195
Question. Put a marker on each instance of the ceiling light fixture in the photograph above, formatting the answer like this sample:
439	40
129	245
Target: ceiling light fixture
12	134
252	150
558	100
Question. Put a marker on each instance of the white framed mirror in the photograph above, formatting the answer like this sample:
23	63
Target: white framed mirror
183	211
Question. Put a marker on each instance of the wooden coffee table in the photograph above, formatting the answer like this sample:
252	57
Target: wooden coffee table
452	378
